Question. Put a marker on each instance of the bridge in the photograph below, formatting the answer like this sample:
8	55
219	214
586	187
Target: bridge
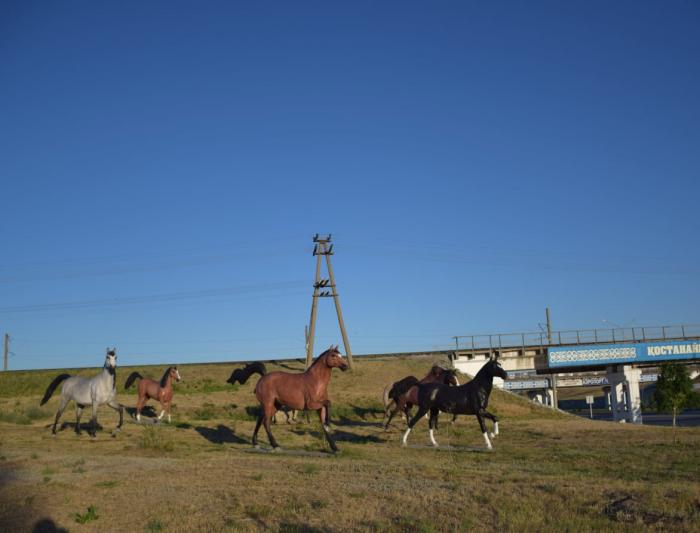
570	358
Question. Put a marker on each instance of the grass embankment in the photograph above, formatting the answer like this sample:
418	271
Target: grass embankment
547	470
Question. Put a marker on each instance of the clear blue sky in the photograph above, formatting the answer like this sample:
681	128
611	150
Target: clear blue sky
170	161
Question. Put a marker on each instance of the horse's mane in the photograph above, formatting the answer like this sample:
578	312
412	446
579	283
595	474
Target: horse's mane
331	349
483	370
164	379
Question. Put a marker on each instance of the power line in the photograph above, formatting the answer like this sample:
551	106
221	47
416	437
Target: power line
166	297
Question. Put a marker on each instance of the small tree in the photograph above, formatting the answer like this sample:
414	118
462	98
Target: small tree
674	389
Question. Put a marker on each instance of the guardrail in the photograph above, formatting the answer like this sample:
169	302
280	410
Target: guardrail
576	336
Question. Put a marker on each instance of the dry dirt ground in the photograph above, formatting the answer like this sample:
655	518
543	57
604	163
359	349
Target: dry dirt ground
547	470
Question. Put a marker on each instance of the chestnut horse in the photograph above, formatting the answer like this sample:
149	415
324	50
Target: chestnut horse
404	393
308	390
154	390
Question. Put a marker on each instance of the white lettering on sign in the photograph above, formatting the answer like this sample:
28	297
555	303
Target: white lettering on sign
673	349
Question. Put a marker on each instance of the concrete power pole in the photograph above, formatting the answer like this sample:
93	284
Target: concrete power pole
555	400
323	247
6	352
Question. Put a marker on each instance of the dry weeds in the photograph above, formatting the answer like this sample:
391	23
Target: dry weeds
547	471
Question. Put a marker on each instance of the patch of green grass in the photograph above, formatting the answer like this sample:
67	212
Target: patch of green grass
48	471
23	416
231	523
309	469
318	504
47	479
34	456
154	525
207	411
107	484
154	439
256	477
547	487
257	511
87	517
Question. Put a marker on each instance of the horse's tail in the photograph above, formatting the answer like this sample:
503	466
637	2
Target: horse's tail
401	387
385	397
241	375
52	387
130	380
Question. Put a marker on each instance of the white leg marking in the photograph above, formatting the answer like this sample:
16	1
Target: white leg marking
405	436
488	442
432	439
327	428
169	420
495	428
138	418
161	415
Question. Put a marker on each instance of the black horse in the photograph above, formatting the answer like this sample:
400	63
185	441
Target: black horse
469	399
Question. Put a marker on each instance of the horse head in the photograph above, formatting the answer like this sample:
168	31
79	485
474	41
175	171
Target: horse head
175	373
334	359
497	370
449	377
111	358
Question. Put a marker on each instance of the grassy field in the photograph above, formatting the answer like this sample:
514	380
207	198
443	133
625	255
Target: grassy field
547	470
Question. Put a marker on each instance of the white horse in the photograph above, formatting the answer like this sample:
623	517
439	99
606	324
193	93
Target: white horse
94	391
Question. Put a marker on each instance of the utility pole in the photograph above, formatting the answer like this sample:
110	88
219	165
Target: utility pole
323	247
555	400
6	352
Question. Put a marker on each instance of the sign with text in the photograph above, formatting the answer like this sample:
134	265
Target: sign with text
613	354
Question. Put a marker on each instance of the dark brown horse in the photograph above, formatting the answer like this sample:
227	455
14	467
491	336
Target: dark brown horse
404	393
307	390
149	389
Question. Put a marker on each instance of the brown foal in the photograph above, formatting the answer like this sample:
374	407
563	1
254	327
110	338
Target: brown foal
308	390
405	392
153	390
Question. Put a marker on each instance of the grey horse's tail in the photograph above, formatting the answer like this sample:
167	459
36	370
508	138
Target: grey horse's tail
241	375
130	380
55	383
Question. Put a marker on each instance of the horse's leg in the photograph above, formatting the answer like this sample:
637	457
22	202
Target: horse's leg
257	427
413	421
388	408
120	409
482	424
323	417
162	411
432	424
328	413
93	421
139	406
61	408
391	415
493	419
268	414
78	411
169	405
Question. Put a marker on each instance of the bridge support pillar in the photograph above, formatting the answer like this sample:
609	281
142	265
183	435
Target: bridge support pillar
624	393
549	397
